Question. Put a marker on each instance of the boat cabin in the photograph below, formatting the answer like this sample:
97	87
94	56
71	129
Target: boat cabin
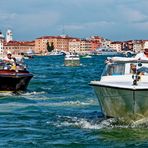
126	68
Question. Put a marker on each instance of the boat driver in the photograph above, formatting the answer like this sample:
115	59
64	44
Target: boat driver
10	61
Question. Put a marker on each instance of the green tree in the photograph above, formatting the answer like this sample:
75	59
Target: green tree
50	47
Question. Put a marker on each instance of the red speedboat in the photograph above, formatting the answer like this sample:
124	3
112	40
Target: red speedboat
14	80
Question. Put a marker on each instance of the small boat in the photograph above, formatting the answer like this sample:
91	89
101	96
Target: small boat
128	53
87	56
13	80
55	53
72	60
106	51
122	90
29	54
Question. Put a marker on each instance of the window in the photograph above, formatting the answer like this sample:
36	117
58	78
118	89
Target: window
114	69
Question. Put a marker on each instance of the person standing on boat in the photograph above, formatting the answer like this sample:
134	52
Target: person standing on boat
9	58
142	55
10	61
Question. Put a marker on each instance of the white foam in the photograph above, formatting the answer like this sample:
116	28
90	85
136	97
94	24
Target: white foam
33	93
5	94
61	103
78	122
89	124
140	123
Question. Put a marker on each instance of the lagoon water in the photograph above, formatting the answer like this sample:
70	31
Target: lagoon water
60	110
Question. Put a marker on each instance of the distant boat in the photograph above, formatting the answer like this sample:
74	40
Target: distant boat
128	53
29	54
106	51
86	56
55	53
72	60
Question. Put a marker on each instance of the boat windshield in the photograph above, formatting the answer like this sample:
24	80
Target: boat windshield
128	68
114	69
10	66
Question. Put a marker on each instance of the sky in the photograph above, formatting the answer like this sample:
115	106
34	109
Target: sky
117	20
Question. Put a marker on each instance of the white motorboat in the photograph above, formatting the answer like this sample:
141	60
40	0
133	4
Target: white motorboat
55	52
72	60
122	90
87	56
106	51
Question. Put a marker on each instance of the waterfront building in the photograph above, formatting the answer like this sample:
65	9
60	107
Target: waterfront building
85	46
66	43
18	47
74	45
96	42
116	45
41	44
105	43
61	43
138	46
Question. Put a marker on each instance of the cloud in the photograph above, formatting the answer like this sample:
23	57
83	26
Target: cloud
132	15
6	16
30	21
79	17
41	19
141	26
89	25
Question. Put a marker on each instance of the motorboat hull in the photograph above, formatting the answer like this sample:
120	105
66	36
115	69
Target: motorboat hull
72	62
14	81
131	104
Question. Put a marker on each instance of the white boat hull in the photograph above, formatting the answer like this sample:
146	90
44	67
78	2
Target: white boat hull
108	53
132	103
72	62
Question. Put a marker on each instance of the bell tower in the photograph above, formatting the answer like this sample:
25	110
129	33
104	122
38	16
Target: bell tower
9	35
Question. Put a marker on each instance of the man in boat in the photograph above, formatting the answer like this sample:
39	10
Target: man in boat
10	61
9	58
142	55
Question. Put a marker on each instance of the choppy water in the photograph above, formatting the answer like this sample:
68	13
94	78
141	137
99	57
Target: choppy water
60	110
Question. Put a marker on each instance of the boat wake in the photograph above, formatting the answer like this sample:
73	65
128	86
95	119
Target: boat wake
76	103
140	123
27	93
98	123
6	94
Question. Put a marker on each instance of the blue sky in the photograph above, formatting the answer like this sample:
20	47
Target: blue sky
111	19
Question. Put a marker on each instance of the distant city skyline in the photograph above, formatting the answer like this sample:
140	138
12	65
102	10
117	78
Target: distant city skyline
111	19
